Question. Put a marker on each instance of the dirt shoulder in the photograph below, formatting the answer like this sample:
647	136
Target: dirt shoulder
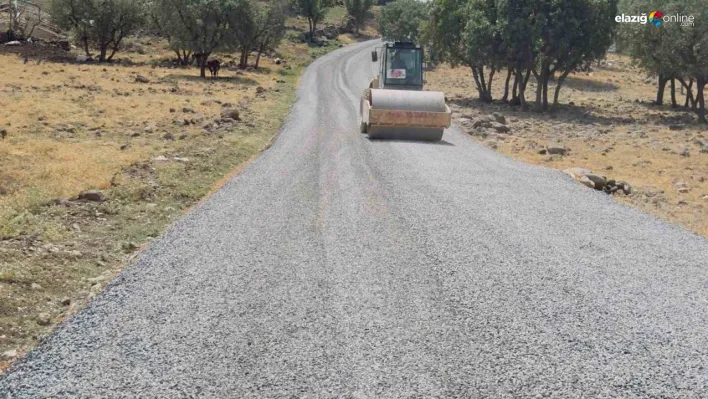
607	124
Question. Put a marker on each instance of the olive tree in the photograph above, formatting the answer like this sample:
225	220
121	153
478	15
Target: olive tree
198	27
99	24
401	20
358	10
314	11
673	51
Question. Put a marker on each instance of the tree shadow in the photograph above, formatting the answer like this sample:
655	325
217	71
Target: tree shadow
441	142
588	85
578	114
235	80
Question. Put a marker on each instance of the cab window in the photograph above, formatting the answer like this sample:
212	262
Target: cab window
403	67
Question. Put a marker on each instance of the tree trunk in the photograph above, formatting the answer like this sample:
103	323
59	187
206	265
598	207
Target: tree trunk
522	88
478	74
84	39
545	89
505	98
690	100
245	51
475	76
700	100
311	24
261	48
673	93
102	54
660	90
489	84
517	84
202	64
558	86
538	106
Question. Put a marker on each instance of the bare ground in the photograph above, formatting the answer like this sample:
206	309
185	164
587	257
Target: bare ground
608	122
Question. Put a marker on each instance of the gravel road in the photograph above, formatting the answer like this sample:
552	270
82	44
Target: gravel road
335	266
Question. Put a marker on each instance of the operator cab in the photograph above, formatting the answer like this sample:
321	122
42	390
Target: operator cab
401	66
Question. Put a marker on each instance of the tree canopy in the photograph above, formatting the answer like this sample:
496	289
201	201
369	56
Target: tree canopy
674	51
401	20
526	37
99	24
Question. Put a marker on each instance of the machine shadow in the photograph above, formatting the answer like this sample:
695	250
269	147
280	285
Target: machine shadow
441	142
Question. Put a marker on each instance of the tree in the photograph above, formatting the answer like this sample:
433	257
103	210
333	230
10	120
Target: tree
569	35
256	26
100	24
244	28
466	32
539	37
197	26
401	20
24	18
315	11
644	44
674	51
358	10
273	22
160	23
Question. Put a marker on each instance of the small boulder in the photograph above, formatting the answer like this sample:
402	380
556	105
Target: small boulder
499	127
586	181
598	180
260	90
141	79
231	113
92	196
557	150
499	118
9	355
129	246
44	319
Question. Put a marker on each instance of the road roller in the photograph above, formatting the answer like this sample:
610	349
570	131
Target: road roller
395	106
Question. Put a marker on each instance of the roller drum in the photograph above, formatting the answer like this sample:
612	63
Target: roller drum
405	114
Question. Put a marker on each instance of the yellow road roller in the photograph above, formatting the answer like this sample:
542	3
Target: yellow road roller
395	106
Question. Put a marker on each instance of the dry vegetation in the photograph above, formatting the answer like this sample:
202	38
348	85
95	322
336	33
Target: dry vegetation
609	125
151	137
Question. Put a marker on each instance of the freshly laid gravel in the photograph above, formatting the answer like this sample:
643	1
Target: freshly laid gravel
336	266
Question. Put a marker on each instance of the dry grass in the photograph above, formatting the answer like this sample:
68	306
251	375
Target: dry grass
73	127
612	129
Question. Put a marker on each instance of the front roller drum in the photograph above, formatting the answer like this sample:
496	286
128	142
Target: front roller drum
404	115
